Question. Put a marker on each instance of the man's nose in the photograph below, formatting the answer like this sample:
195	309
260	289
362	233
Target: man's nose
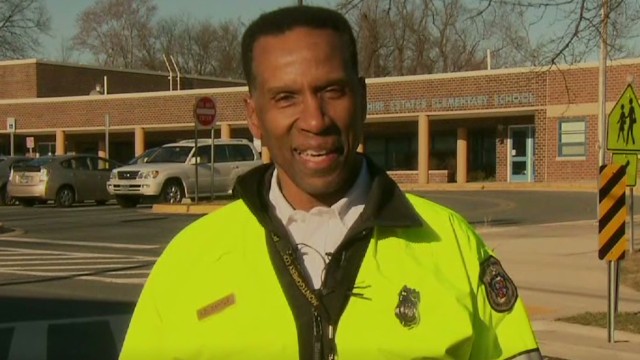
313	117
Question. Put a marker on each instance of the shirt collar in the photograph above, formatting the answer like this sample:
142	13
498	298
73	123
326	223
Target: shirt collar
357	195
386	204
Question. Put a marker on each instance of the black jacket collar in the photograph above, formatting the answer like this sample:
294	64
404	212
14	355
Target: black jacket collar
386	205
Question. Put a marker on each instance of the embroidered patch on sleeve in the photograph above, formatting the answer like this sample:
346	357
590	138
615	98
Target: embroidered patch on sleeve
502	293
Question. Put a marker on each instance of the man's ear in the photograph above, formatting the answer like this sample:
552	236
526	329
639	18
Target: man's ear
362	101
252	118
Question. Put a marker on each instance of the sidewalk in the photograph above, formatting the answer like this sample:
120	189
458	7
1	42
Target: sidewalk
558	274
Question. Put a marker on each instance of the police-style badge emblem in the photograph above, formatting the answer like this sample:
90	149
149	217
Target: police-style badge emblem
501	291
407	309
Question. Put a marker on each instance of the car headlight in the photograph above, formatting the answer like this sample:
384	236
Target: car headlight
114	175
145	175
44	175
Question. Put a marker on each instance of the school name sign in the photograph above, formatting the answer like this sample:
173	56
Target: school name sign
450	103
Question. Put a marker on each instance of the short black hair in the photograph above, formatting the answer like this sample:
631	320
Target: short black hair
279	21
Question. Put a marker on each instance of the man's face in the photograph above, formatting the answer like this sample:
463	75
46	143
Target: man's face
308	109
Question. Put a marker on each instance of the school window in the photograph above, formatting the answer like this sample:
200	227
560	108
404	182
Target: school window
572	138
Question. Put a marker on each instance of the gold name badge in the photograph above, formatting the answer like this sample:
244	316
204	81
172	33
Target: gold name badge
216	307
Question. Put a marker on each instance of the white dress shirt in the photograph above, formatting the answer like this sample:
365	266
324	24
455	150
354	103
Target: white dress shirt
319	231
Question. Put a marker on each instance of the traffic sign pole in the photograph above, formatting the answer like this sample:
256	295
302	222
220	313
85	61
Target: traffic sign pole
195	137
212	163
631	249
613	268
205	112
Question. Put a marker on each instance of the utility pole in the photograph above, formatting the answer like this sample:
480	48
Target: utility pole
602	121
300	3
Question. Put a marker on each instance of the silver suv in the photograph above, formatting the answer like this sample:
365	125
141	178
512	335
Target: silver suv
170	174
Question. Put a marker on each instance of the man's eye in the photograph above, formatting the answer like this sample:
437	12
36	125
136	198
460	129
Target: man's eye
284	99
335	91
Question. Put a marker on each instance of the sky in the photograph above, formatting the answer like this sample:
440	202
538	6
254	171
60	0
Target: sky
64	13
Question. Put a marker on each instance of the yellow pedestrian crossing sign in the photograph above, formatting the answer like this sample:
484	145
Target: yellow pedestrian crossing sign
623	129
630	164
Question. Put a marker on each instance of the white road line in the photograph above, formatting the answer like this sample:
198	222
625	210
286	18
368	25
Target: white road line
65	261
64	267
78	254
76	276
40	257
79	243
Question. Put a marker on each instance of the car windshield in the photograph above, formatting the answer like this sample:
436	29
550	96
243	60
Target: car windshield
43	160
171	154
144	157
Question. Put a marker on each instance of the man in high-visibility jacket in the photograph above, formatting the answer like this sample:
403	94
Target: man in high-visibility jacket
323	257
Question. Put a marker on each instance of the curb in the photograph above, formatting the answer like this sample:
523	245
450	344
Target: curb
5	231
499	186
200	209
572	341
584	330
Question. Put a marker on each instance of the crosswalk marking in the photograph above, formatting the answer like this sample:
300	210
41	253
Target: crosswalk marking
78	243
76	265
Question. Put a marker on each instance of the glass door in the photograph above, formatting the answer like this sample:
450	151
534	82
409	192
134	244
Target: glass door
521	153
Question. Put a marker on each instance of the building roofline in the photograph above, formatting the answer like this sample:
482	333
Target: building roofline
96	67
17	62
207	91
492	72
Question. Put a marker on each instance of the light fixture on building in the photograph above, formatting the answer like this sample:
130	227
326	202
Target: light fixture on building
500	133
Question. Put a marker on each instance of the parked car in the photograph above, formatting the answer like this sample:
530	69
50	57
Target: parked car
65	179
170	175
5	169
144	157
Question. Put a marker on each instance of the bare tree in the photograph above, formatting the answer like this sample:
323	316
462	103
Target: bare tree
201	47
519	32
118	33
568	31
21	24
65	51
404	37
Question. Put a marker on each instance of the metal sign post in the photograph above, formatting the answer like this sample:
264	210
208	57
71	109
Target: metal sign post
213	171
107	124
195	153
631	249
11	126
205	115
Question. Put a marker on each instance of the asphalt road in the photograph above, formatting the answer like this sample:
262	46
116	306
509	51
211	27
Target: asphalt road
68	284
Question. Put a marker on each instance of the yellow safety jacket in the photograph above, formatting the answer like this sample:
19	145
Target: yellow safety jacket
411	280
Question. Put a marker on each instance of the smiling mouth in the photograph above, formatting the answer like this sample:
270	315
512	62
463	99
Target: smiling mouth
318	155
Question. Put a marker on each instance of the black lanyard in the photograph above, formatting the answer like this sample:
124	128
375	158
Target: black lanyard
319	311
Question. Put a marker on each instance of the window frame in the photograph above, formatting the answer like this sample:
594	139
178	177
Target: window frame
562	145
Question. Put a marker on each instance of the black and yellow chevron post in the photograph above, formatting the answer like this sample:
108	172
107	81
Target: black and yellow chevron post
612	212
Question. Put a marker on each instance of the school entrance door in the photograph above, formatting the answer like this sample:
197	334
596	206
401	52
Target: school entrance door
521	148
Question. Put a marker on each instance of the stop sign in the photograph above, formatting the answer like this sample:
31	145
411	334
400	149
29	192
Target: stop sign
205	112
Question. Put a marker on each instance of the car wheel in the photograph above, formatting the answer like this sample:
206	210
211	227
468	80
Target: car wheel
65	197
126	202
27	202
172	192
5	198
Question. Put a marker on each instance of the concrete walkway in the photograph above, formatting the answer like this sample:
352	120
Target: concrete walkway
558	274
